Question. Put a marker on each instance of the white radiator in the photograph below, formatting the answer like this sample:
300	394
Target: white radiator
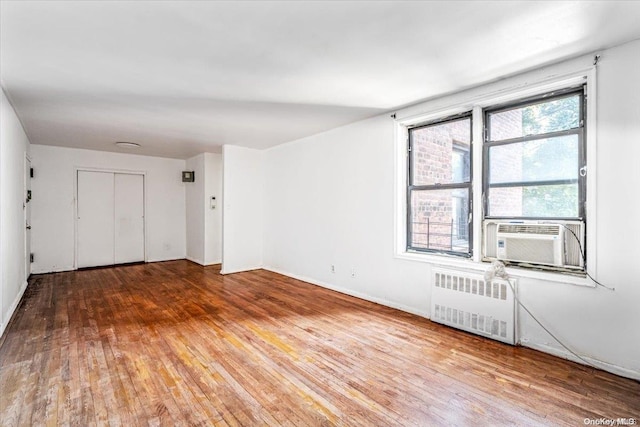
465	301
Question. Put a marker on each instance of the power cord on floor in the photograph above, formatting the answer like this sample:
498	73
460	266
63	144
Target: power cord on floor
498	270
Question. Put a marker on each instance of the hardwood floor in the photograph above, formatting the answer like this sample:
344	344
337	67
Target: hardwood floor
173	343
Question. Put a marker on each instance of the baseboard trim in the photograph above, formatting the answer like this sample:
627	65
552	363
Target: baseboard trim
202	263
71	268
381	301
164	259
9	314
195	260
241	270
614	369
53	270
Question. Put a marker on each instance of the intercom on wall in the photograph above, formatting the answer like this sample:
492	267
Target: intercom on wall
188	176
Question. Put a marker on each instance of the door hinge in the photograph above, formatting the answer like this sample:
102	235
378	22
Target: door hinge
31	173
31	257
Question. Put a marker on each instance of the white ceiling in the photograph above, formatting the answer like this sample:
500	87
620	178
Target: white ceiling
182	78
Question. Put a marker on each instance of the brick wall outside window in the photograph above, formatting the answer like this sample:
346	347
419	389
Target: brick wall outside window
435	224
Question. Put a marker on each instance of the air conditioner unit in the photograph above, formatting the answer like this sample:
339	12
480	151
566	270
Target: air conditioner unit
551	243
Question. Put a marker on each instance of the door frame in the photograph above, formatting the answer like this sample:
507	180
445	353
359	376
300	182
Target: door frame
26	213
77	169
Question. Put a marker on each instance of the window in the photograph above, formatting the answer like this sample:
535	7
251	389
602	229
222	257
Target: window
439	187
527	165
535	159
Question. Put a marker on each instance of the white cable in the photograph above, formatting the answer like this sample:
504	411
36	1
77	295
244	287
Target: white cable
498	270
584	259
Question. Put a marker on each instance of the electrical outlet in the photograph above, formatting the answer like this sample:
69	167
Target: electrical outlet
333	268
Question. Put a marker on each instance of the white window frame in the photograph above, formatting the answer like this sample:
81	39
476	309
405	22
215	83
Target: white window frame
477	103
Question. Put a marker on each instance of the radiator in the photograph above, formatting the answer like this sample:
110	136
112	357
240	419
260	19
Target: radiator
465	301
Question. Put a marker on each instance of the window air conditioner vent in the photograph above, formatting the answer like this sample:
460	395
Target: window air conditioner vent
540	229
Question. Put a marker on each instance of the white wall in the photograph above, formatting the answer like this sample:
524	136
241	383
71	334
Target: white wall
243	188
601	324
204	225
212	217
195	211
14	144
329	200
53	186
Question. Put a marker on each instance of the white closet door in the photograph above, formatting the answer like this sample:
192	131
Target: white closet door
129	218
95	219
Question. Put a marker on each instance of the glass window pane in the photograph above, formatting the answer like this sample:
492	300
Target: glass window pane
441	153
538	160
440	220
543	201
535	119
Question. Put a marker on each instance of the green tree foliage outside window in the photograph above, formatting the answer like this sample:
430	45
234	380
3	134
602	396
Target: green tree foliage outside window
542	154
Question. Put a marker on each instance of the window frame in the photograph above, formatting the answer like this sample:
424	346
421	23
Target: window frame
580	131
510	90
410	187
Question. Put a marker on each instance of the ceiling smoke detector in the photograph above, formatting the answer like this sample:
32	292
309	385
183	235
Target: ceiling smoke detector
127	144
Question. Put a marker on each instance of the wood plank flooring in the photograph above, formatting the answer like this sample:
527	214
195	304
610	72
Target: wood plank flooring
174	343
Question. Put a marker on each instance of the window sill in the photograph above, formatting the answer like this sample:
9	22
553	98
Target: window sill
452	261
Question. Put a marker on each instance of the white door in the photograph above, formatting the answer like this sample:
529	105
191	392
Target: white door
129	218
27	218
95	224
